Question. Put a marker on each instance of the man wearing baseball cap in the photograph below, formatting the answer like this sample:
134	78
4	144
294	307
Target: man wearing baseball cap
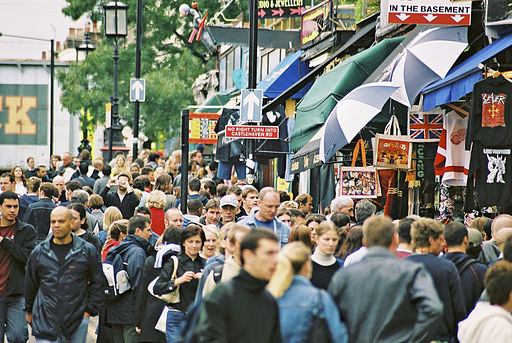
228	208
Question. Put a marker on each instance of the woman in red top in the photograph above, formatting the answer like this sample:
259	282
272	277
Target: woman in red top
117	231
156	202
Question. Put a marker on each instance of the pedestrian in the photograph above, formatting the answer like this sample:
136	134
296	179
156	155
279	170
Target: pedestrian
7	183
312	221
33	184
301	305
17	240
364	209
133	249
428	240
405	247
212	241
228	208
325	264
63	284
148	307
242	310
124	198
20	180
79	225
382	298
116	232
343	204
305	202
490	250
265	216
38	213
212	213
111	215
302	234
100	183
188	273
470	271
491	321
156	201
353	242
96	205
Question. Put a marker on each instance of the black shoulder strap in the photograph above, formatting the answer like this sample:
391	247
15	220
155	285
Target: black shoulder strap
217	272
462	266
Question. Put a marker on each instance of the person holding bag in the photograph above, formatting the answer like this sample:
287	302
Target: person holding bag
183	281
306	313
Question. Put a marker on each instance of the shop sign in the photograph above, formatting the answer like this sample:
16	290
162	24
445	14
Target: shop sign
429	12
280	8
24	114
252	132
420	161
313	22
202	128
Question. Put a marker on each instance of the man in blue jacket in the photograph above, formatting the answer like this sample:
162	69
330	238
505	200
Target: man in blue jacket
17	240
64	284
134	248
265	216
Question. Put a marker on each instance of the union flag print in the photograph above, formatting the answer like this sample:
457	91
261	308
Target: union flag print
425	127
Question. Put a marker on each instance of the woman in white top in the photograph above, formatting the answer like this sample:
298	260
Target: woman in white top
20	180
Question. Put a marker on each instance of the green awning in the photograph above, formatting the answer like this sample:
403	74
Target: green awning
329	88
218	99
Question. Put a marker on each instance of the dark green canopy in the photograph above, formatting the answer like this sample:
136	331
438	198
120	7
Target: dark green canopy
328	89
218	99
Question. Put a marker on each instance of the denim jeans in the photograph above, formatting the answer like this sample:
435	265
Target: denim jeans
79	336
12	320
175	322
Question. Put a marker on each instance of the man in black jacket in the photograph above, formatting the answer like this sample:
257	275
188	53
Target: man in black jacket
64	284
124	198
38	213
17	240
242	310
134	248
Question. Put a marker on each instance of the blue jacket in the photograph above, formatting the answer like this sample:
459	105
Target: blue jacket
57	296
296	312
280	229
134	251
38	215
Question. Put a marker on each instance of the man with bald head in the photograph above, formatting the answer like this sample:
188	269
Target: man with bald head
62	265
490	250
173	216
265	216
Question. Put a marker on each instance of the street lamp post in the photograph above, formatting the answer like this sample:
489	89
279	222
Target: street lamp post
115	27
86	47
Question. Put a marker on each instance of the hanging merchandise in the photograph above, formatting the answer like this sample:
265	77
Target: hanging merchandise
490	171
392	150
425	126
490	120
228	151
452	159
359	182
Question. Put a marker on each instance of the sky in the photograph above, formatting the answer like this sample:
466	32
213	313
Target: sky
33	18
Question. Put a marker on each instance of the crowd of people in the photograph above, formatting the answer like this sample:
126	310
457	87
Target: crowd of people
87	238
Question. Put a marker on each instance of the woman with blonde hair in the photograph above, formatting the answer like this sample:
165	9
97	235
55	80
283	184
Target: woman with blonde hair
156	201
111	214
325	264
120	166
304	310
211	243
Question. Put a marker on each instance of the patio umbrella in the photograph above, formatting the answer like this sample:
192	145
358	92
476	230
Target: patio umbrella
425	59
351	114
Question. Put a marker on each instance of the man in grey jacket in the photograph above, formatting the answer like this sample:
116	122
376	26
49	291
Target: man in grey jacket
384	299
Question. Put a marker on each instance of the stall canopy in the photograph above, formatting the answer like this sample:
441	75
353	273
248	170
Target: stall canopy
285	74
329	88
461	79
218	99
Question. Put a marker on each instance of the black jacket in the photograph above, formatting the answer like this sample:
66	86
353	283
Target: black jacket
127	206
19	248
38	215
148	307
133	250
240	310
57	296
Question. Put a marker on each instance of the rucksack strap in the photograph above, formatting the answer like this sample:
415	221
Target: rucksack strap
175	261
217	272
464	265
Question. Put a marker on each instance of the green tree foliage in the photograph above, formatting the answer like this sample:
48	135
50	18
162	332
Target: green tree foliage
169	64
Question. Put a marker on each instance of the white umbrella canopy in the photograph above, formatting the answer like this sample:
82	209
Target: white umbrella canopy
426	59
351	114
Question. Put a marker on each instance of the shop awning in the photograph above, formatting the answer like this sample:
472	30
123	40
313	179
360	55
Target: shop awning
308	156
218	99
329	88
285	74
461	79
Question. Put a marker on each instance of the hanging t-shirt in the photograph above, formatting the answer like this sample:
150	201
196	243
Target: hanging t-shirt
452	160
490	171
490	119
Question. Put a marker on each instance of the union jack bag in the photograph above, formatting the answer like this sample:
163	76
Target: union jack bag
425	126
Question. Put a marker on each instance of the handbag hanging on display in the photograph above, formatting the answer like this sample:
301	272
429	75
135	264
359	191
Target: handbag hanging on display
359	182
172	297
392	149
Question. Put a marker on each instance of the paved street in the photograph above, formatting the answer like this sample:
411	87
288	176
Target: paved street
91	335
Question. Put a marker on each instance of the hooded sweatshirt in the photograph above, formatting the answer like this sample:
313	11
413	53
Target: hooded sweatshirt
487	323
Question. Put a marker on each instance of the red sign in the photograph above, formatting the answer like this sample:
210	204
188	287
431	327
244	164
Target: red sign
252	132
429	12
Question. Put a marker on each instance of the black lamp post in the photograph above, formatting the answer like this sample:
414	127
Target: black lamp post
115	27
85	47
